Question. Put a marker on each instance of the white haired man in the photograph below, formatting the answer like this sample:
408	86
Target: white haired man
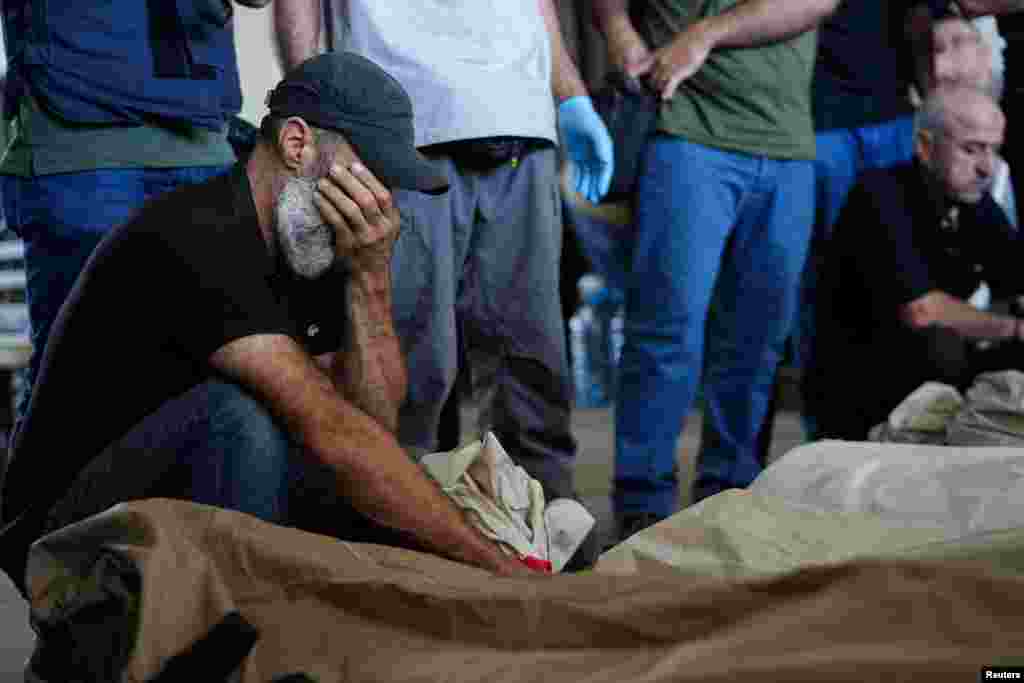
911	245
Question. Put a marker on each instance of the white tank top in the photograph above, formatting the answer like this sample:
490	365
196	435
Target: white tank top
473	68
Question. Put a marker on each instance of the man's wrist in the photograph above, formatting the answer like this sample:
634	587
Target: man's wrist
369	304
371	282
567	91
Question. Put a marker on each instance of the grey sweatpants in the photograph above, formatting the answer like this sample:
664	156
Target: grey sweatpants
481	263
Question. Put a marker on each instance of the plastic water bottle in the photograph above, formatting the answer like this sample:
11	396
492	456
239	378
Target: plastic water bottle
581	371
616	336
589	345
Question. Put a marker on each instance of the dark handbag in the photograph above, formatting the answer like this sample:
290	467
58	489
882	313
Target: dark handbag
629	111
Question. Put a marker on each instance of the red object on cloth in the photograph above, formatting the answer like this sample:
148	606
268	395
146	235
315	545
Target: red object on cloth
536	563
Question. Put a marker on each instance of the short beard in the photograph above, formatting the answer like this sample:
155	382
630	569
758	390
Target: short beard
307	244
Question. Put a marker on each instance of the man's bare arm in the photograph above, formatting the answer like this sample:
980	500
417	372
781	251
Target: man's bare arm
762	22
297	30
626	48
745	25
372	471
939	308
565	76
370	371
608	12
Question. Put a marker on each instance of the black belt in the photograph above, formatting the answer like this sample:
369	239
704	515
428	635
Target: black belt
485	154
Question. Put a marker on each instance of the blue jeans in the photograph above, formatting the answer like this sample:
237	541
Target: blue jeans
62	217
709	222
217	445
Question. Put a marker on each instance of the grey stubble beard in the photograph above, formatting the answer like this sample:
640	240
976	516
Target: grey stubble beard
306	242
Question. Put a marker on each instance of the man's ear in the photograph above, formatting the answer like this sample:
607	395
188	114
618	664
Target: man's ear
295	143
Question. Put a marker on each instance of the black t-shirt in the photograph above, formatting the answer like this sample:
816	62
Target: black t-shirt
888	250
188	275
862	70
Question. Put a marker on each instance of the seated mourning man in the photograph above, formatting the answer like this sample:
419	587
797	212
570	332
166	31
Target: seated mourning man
911	245
233	343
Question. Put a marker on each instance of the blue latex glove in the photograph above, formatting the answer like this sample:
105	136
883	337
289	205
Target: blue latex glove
588	147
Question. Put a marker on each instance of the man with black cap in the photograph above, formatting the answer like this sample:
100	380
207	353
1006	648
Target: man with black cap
233	343
476	271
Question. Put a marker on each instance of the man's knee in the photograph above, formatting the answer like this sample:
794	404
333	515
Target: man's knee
242	454
233	413
231	401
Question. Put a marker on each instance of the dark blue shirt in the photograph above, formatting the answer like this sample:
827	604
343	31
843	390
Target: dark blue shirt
862	70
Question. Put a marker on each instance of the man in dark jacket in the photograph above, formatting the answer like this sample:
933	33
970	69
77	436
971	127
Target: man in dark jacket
911	246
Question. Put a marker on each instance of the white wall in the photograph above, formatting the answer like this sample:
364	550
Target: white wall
257	59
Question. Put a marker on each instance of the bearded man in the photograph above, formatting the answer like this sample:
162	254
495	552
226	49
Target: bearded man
233	345
911	246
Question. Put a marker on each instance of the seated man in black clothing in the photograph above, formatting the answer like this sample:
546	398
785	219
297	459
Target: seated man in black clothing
911	246
233	343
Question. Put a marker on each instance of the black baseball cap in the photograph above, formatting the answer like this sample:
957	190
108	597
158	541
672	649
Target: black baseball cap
345	92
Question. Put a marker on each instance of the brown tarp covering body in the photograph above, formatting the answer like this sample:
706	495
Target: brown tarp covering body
348	612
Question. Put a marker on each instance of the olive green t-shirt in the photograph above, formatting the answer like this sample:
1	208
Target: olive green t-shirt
40	143
752	100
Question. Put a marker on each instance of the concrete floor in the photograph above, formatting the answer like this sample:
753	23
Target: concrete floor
593	430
